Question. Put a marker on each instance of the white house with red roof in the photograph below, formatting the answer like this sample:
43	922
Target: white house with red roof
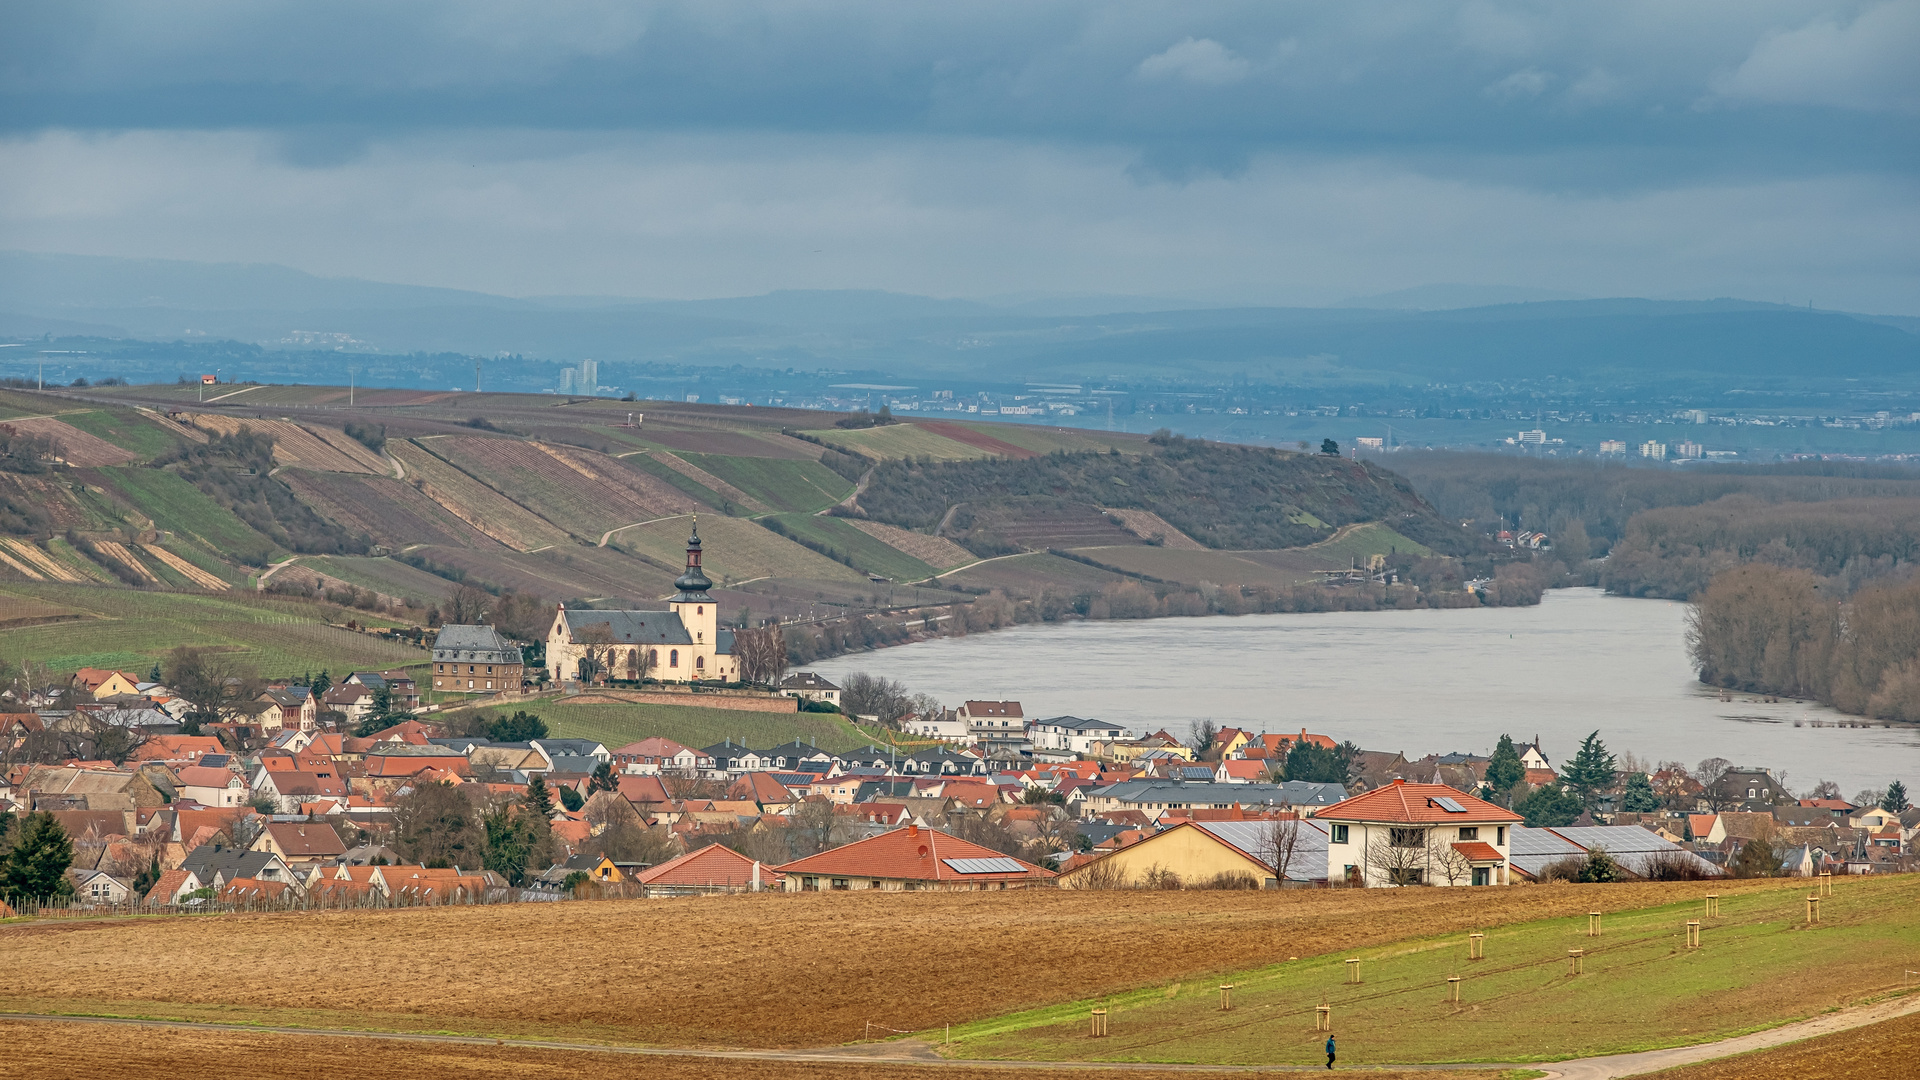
1418	834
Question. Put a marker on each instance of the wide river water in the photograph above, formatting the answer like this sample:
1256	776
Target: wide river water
1412	681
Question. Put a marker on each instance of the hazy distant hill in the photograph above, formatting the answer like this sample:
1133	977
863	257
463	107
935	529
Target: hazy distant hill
920	337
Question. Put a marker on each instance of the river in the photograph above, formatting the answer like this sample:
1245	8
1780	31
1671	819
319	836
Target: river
1412	681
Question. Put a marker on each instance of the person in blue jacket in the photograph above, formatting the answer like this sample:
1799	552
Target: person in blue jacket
1329	1051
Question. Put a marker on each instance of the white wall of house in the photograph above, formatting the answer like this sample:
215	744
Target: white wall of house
1379	852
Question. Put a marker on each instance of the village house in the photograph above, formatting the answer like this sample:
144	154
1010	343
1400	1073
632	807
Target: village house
909	859
301	844
949	726
655	755
684	643
1075	735
714	868
98	683
475	660
214	787
995	725
807	686
1267	852
1417	834
1748	790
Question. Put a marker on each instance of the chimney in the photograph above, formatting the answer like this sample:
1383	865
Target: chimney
1399	780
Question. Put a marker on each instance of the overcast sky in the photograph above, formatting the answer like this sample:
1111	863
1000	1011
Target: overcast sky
1262	151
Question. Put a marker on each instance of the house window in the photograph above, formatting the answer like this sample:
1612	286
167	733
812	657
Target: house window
1482	875
1500	837
1339	834
1469	832
1404	876
1408	838
840	883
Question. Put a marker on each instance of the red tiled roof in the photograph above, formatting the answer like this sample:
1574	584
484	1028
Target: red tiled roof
165	889
306	840
207	776
1480	851
643	789
909	854
1701	824
1401	802
715	865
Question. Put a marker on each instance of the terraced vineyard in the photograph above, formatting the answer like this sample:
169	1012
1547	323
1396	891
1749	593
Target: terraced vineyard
479	506
393	512
1217	567
704	485
1148	525
737	551
565	572
126	428
77	447
899	441
581	491
1038	524
176	505
866	552
297	446
935	551
783	484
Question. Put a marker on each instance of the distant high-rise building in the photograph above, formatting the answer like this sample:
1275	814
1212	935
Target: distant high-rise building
1614	447
1655	450
1690	449
589	379
1533	438
566	380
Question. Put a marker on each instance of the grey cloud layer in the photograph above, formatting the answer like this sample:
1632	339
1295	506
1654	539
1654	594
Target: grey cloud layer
1764	83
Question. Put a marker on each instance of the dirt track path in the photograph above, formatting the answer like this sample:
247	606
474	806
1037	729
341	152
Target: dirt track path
914	1052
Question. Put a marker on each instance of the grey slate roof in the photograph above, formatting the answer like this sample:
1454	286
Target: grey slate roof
631	627
1175	793
474	644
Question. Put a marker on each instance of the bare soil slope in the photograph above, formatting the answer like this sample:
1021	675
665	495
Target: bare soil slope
767	970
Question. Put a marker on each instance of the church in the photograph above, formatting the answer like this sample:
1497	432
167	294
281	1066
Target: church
684	643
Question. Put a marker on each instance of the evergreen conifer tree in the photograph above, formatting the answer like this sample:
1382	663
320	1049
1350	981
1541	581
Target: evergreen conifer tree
602	779
1599	867
1639	797
539	799
1895	800
36	867
1504	770
1590	772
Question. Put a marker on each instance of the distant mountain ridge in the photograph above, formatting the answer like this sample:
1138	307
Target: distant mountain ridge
1415	336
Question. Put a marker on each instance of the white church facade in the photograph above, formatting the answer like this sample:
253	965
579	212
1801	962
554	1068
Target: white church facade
683	643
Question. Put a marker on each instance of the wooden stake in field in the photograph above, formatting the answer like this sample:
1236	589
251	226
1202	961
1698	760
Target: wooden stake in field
1226	997
1323	1018
1098	1028
1826	883
1713	905
1353	971
1693	933
1476	946
1576	961
1593	924
1813	910
1453	988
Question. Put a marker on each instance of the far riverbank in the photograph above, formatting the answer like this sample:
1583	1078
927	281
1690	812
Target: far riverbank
1414	681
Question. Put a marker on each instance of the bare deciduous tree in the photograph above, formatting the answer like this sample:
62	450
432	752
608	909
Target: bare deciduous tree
1280	845
213	681
467	605
1402	860
596	651
762	654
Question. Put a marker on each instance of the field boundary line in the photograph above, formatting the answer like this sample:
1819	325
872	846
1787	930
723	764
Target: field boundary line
1608	1067
830	1056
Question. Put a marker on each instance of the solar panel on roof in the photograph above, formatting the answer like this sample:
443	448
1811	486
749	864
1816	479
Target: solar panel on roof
985	866
1450	806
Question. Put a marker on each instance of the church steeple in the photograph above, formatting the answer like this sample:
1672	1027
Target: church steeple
693	584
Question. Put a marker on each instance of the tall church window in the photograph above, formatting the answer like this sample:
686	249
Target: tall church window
673	658
700	663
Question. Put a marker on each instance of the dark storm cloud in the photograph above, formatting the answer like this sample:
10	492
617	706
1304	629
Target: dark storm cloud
1663	90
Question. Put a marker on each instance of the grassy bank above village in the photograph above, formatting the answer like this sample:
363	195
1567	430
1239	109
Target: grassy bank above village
1759	966
690	725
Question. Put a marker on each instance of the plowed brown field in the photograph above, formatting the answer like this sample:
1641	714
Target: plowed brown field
78	447
767	970
57	1051
1874	1052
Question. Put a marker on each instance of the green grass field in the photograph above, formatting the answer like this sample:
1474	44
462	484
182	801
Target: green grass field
781	483
898	441
646	464
1361	541
695	726
132	629
379	574
125	428
1045	440
1759	967
178	506
867	553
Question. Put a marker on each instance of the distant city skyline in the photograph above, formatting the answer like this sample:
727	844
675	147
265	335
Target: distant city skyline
1224	153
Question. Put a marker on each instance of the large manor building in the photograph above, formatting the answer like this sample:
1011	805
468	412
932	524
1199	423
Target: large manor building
683	643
